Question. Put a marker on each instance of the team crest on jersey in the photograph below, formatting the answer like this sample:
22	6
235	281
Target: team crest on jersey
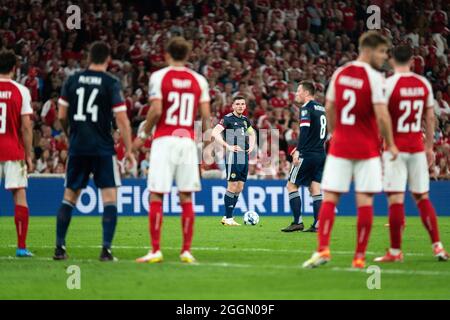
233	175
304	113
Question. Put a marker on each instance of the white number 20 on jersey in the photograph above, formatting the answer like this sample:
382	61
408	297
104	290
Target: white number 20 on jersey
185	104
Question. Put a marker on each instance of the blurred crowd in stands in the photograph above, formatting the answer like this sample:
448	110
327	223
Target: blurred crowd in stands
260	49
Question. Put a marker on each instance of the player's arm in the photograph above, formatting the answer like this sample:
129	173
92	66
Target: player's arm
63	105
27	138
429	134
217	134
380	100
251	139
330	112
385	126
26	128
123	123
429	125
62	117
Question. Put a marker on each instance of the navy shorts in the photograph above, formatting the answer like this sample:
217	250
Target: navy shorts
104	169
237	167
309	170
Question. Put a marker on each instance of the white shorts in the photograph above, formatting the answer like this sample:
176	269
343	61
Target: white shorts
173	158
338	174
408	168
15	173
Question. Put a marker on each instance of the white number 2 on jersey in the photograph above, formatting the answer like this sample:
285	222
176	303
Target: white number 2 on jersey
2	117
90	108
346	117
417	107
184	103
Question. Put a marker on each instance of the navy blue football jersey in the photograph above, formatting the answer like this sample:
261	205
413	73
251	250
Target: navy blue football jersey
240	126
313	123
92	97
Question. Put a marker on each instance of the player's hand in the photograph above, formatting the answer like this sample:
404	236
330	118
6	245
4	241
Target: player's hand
233	148
30	165
296	158
394	152
130	160
137	144
430	156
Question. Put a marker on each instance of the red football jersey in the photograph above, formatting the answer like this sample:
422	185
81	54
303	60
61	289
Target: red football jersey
15	101
355	88
408	95
181	91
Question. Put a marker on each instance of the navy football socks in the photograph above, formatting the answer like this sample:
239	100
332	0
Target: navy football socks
109	222
296	206
62	222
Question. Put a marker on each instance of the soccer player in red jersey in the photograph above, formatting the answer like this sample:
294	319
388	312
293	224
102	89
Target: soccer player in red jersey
410	98
176	95
355	103
16	135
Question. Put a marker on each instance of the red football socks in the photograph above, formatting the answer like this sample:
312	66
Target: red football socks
21	220
396	222
155	219
326	218
364	226
187	224
429	220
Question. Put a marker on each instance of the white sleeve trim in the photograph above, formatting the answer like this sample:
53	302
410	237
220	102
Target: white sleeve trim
120	109
377	86
63	102
26	99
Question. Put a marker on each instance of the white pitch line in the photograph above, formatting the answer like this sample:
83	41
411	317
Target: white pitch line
247	266
221	249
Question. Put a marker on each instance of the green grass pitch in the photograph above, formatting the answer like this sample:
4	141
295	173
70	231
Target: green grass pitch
247	262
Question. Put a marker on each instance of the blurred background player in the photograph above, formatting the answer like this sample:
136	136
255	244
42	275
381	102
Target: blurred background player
16	135
88	103
176	94
410	98
239	140
355	103
308	159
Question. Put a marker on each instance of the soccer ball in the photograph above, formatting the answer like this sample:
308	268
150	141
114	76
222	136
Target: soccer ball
251	218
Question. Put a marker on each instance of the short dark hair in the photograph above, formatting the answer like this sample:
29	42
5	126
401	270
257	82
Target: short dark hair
308	86
178	48
402	54
8	61
239	98
372	39
99	52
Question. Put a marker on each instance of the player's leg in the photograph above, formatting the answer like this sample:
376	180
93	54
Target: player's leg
316	194
187	177
295	203
16	181
155	216
394	184
160	180
368	181
187	225
21	218
336	180
300	175
77	177
419	182
396	226
429	220
234	189
107	179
